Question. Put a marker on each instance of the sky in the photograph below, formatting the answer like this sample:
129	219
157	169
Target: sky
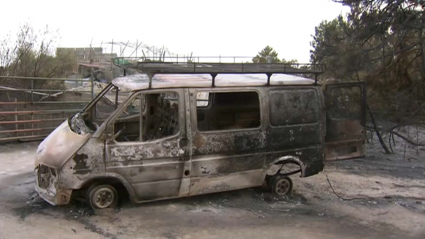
201	28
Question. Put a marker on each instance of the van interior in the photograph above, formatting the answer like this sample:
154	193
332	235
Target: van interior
215	111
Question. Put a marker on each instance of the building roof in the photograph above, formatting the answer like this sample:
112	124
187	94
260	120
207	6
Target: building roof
141	81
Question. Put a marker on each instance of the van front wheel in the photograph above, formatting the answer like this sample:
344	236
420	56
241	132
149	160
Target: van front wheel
100	196
280	185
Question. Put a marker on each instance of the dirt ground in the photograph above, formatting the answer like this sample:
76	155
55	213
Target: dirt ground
379	196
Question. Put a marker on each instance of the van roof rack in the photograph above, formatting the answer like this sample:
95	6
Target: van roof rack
214	66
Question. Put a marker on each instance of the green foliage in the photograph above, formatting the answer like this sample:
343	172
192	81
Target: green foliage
381	42
32	55
65	62
333	46
268	55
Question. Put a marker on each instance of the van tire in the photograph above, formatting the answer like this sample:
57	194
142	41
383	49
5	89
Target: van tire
101	196
280	185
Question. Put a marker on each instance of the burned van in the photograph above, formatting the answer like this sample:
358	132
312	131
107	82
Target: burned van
178	130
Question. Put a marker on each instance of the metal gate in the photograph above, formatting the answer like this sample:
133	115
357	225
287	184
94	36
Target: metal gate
31	108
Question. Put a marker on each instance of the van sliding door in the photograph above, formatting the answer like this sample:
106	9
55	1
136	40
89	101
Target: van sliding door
228	140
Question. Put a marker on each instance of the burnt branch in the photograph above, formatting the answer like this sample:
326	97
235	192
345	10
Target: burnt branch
407	139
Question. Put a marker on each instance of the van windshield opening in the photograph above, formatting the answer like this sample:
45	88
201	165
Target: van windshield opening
101	107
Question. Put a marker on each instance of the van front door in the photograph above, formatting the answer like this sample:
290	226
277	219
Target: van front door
150	151
345	120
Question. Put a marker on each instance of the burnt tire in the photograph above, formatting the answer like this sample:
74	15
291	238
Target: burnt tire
101	196
280	185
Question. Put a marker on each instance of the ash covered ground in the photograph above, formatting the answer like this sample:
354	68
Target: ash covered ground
378	196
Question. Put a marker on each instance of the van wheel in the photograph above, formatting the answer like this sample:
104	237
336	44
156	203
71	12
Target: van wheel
280	185
100	196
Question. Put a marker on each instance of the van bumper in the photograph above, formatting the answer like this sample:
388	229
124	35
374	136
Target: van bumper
50	192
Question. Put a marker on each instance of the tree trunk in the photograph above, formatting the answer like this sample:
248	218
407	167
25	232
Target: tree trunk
387	151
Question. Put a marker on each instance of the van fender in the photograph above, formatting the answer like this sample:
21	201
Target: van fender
287	160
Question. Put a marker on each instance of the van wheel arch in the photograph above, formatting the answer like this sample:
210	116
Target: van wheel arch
113	181
285	160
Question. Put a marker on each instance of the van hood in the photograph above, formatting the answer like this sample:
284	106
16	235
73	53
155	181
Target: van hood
59	146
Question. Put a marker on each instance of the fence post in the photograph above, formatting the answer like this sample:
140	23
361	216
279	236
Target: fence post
32	106
16	117
92	87
32	90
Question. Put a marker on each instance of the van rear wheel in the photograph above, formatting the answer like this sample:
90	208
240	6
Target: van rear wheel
280	185
101	196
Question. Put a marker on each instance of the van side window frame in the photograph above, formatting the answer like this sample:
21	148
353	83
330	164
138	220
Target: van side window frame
211	102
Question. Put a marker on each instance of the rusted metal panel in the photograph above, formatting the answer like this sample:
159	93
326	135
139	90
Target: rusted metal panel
293	136
343	130
31	121
41	78
27	113
44	90
221	165
344	150
26	130
154	169
228	142
86	163
59	146
39	112
44	102
226	182
24	138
